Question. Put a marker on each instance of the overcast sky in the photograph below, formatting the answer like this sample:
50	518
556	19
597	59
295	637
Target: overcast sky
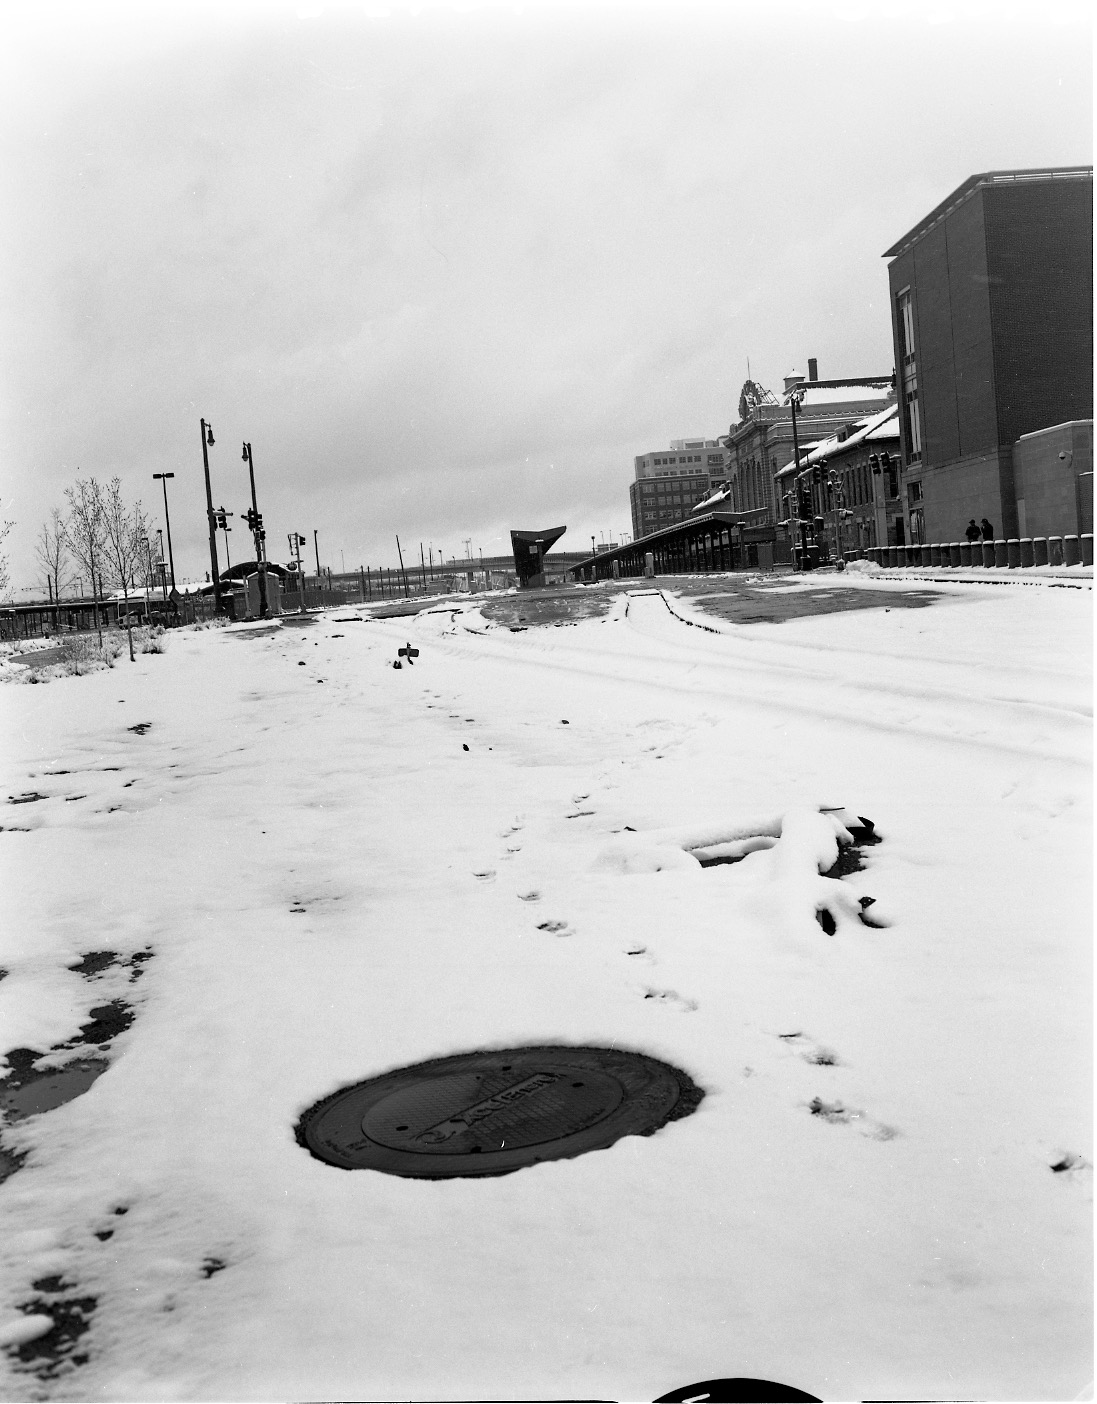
450	270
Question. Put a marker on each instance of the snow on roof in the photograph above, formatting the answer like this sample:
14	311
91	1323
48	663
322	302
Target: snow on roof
720	495
820	393
884	425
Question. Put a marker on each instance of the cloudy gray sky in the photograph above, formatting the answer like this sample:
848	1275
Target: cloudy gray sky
448	269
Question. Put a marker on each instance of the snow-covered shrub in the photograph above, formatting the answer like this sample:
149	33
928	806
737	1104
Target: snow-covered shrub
83	654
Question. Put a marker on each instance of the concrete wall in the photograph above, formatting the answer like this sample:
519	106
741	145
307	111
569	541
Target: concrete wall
972	488
1047	486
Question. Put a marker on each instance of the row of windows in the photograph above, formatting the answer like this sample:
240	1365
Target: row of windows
654	486
912	414
682	458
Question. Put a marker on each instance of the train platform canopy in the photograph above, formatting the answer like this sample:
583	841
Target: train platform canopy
713	540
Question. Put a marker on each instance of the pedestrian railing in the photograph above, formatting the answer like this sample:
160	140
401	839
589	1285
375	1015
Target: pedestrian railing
1015	553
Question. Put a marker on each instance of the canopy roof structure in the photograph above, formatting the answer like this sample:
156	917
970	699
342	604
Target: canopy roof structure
530	548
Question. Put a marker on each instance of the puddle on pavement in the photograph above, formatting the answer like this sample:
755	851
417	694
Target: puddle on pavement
46	1088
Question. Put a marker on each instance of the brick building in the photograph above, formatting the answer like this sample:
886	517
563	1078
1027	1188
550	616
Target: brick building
992	302
760	444
871	508
669	482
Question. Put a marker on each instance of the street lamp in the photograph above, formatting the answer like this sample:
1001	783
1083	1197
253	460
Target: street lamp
255	522
163	478
795	399
211	518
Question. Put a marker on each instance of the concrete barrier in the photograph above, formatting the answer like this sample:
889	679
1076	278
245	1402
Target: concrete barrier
1026	551
1072	551
1001	558
965	553
1039	550
988	553
1055	550
1087	549
917	555
954	553
934	553
911	555
1013	553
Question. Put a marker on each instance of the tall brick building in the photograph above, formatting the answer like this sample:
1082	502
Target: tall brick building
992	299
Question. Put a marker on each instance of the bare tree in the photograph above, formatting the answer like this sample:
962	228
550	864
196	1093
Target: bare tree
5	579
84	535
53	555
125	541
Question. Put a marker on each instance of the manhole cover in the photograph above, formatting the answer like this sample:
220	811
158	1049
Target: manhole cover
491	1113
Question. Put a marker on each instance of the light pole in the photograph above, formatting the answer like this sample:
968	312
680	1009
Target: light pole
255	521
163	477
207	438
795	399
316	548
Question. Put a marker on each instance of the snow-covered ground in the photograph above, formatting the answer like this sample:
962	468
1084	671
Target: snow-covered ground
321	868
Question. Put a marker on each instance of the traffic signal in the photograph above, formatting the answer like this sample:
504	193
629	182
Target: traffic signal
874	464
817	475
254	520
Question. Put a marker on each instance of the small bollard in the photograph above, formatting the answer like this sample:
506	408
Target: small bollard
1055	550
1072	552
1013	553
1086	543
1027	557
954	553
934	554
893	555
1039	550
965	553
917	555
988	553
1001	555
911	555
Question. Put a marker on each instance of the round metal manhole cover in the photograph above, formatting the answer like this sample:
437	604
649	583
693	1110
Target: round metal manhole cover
490	1113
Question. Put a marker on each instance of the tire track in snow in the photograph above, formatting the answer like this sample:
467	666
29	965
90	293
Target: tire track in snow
727	667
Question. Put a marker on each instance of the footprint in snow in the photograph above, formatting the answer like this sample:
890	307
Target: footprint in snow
533	896
810	1051
671	999
838	1114
1069	1165
557	928
487	875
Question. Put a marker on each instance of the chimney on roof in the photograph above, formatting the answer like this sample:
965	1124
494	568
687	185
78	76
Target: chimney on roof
793	378
813	368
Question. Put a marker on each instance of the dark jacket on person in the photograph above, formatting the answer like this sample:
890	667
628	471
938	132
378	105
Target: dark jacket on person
988	530
972	532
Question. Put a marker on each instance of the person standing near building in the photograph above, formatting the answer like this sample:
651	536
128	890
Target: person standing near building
972	532
988	530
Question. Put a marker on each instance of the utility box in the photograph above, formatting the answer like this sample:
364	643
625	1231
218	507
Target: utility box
649	564
254	601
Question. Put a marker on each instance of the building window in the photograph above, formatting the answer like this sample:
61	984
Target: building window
914	492
908	370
